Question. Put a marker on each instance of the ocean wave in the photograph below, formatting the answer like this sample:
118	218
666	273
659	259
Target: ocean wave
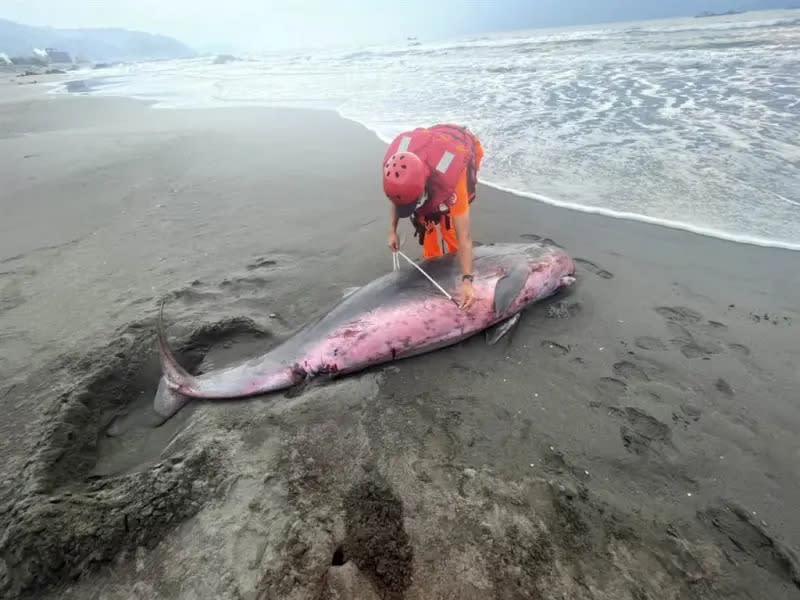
523	44
632	216
719	27
721	45
742	238
684	129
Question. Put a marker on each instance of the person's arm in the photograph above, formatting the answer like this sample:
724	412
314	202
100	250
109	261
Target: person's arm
464	237
393	241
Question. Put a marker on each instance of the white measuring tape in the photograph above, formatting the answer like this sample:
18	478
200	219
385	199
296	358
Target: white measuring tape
396	266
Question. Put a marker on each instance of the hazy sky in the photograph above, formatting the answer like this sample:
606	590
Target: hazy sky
254	24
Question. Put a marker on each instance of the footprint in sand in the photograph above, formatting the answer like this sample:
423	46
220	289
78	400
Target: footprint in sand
10	299
695	350
724	387
748	422
608	389
554	348
630	371
192	296
593	268
563	310
244	284
679	314
650	343
741	534
142	300
20	273
649	396
774	319
467	369
679	333
743	353
642	430
688	415
740	349
261	263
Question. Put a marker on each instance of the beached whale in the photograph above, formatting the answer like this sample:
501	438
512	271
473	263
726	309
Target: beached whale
398	315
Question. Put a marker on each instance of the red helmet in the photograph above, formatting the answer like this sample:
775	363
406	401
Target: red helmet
404	176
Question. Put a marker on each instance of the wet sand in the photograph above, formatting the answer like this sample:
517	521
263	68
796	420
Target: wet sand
634	438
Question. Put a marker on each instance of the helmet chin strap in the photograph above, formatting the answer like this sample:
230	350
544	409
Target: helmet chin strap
422	200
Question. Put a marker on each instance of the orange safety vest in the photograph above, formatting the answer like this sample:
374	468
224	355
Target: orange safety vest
446	150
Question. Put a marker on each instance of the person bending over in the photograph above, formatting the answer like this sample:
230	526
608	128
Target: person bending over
430	176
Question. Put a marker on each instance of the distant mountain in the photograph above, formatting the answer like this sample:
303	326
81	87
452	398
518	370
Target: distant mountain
729	12
108	45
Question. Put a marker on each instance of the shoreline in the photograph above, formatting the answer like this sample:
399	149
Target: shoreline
565	204
606	212
648	417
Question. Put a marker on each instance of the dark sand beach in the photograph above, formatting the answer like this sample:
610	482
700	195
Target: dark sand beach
634	438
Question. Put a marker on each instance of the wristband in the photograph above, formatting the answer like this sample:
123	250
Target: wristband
467	277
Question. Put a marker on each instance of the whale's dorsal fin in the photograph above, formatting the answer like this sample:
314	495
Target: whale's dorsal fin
509	286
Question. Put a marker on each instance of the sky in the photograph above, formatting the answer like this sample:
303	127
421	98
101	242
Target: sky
251	25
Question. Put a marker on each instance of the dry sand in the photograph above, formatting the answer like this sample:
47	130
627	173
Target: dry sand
636	438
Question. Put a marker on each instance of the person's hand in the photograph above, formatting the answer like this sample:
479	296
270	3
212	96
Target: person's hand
393	242
467	294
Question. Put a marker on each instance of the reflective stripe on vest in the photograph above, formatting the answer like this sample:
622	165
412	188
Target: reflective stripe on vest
444	162
404	142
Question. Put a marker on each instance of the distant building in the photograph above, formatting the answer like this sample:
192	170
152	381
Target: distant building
58	56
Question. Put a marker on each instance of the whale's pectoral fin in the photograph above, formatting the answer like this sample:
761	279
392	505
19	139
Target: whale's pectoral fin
494	333
508	287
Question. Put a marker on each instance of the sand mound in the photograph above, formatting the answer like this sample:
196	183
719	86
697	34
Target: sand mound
102	479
